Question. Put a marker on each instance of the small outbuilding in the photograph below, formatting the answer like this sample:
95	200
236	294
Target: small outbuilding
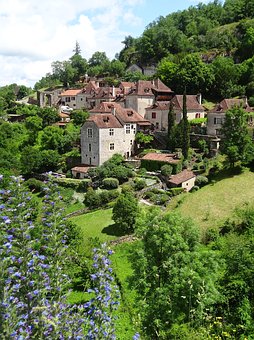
80	171
184	179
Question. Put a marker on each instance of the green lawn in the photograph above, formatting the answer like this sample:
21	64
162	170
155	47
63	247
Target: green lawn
96	224
212	204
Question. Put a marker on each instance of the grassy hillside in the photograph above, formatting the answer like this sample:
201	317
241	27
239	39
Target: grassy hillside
212	204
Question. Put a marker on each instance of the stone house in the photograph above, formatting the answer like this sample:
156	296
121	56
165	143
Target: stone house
143	94
216	116
146	70
110	129
157	113
74	98
184	179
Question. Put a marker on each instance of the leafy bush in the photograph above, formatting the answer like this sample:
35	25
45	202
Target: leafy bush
201	181
127	188
166	170
92	199
142	171
139	184
75	184
34	185
176	191
110	183
108	196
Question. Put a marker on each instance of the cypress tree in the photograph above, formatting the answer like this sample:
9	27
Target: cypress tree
186	129
171	127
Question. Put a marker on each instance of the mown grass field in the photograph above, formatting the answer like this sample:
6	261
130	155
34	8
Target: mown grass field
211	205
99	224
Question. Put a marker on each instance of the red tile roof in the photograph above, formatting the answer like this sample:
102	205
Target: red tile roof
229	103
182	177
105	121
160	105
191	102
82	168
72	92
146	87
122	114
162	157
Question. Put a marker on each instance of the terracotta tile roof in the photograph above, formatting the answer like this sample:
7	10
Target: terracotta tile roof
122	114
191	102
146	87
160	105
105	121
82	168
162	157
70	93
229	103
182	177
107	92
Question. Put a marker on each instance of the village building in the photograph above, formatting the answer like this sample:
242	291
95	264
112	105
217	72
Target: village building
216	116
143	94
157	113
184	179
148	70
110	129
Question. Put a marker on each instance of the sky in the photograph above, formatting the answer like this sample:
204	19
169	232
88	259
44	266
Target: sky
35	33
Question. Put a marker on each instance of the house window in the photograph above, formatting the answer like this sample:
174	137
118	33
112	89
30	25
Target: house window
128	128
197	115
72	98
90	133
111	132
154	115
89	147
111	146
67	99
131	142
132	126
217	121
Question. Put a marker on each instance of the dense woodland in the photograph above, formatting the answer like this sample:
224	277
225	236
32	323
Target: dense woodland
180	281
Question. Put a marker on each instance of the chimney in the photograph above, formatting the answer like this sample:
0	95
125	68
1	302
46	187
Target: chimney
113	110
199	98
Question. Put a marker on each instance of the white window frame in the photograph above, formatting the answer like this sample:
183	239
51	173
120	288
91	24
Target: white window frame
112	146
127	128
111	132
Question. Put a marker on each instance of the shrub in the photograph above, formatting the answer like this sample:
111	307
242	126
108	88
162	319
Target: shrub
176	191
142	171
110	183
92	199
195	188
127	188
34	185
108	196
139	184
201	181
166	170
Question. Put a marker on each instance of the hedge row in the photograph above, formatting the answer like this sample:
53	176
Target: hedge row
156	165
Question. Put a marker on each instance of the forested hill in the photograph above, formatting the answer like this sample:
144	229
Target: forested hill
224	27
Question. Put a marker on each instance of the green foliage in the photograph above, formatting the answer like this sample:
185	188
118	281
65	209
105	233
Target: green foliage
170	263
166	170
237	143
143	139
139	183
34	185
200	181
176	191
80	185
110	183
125	212
79	117
156	165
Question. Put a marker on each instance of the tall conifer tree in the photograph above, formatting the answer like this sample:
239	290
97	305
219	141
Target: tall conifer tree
186	129
171	127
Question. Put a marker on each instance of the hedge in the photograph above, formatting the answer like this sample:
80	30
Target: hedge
110	183
156	165
76	184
